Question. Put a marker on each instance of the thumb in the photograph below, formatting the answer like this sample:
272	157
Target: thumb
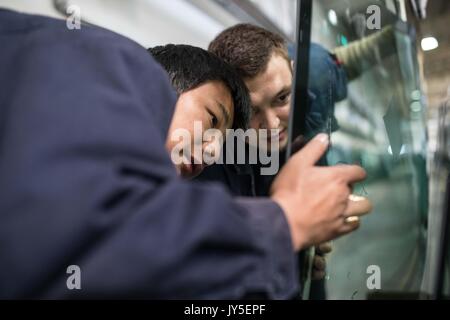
313	150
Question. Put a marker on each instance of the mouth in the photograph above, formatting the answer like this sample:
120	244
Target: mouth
281	135
192	169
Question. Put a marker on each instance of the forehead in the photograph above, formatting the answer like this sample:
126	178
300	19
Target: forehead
266	85
216	94
211	90
208	93
216	88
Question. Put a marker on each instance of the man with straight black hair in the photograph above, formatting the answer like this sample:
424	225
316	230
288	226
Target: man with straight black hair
210	93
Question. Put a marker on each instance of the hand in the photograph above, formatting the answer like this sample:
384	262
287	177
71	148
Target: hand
319	263
317	201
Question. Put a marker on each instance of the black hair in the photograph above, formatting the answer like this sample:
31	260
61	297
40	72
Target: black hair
189	67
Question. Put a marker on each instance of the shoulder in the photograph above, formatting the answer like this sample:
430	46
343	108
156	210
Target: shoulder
86	58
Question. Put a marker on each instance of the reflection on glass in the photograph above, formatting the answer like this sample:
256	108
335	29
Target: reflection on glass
381	127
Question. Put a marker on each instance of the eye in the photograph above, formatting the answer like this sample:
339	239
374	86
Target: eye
214	121
284	98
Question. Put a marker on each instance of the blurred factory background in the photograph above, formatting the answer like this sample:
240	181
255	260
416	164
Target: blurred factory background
153	22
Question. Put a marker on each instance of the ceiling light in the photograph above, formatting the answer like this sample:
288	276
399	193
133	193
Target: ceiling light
332	17
429	43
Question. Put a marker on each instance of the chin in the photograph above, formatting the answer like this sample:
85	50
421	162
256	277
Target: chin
283	145
190	171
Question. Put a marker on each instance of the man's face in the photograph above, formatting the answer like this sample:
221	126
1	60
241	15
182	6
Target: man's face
270	93
210	105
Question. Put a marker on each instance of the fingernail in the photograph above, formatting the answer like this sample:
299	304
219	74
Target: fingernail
355	198
351	219
323	137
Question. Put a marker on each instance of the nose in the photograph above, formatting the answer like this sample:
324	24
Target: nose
211	152
271	120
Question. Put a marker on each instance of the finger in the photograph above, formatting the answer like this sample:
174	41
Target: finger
350	226
350	173
319	263
357	206
324	248
314	150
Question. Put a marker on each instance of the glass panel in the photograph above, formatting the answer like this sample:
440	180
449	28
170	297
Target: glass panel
381	126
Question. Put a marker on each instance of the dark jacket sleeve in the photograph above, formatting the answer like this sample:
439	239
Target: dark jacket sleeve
86	181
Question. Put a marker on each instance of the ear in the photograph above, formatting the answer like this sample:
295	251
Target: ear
292	64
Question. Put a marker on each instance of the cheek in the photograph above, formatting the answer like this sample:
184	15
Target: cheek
172	139
283	113
169	144
181	136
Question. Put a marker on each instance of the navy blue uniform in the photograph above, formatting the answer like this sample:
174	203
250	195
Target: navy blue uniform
85	180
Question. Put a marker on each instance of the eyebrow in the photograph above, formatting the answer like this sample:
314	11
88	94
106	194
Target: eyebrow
224	112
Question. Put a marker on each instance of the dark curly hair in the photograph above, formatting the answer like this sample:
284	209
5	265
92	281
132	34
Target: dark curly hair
189	67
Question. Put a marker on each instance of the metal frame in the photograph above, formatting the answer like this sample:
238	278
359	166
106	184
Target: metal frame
297	117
